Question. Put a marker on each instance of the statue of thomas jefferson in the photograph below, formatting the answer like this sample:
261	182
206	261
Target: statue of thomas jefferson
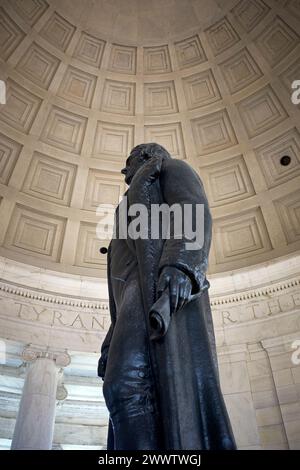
161	383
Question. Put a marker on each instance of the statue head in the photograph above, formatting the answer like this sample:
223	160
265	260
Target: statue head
140	155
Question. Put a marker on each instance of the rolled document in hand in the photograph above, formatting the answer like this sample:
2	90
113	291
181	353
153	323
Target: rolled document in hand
160	313
160	316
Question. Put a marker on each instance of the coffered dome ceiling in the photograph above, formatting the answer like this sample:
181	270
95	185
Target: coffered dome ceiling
88	80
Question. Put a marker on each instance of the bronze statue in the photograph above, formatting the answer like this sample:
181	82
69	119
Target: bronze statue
158	360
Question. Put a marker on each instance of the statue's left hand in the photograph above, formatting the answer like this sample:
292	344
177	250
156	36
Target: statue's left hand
180	286
102	365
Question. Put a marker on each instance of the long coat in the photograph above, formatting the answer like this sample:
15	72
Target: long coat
184	363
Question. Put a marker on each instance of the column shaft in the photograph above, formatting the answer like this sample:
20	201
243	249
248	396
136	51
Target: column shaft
36	416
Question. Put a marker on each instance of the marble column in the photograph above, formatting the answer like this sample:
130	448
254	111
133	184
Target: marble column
35	421
286	376
235	384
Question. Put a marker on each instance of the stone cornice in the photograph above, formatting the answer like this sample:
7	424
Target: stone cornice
51	298
31	353
251	294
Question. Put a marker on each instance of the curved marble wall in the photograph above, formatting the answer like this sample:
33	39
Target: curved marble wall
257	324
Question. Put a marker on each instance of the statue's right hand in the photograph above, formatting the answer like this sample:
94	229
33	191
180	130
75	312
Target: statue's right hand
179	285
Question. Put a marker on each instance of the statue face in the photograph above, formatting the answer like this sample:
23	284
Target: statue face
133	163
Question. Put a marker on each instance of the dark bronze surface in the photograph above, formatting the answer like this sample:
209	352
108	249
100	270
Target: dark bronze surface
162	393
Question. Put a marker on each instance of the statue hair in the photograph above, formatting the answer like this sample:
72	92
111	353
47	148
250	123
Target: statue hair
150	150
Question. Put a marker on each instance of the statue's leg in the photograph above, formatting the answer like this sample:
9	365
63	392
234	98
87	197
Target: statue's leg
136	433
128	385
110	436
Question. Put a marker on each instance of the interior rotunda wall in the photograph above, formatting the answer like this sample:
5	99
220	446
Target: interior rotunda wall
210	81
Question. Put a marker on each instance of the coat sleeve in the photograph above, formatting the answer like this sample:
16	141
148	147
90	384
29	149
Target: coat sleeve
181	185
112	308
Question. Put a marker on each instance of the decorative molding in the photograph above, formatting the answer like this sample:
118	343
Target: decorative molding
169	136
189	52
61	392
269	156
89	243
249	13
261	111
102	189
31	353
221	36
38	65
160	98
64	130
213	132
288	210
30	10
118	97
290	74
240	236
201	89
21	107
157	60
240	71
89	50
9	154
122	59
80	97
78	86
250	294
227	181
256	293
277	41
112	141
35	233
53	299
50	179
10	35
58	31
293	7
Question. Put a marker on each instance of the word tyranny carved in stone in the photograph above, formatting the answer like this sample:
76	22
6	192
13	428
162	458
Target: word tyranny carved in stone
64	318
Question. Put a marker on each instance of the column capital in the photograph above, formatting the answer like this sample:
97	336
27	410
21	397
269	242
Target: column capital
31	353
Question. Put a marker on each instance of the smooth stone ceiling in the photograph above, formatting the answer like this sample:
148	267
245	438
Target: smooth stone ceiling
144	21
